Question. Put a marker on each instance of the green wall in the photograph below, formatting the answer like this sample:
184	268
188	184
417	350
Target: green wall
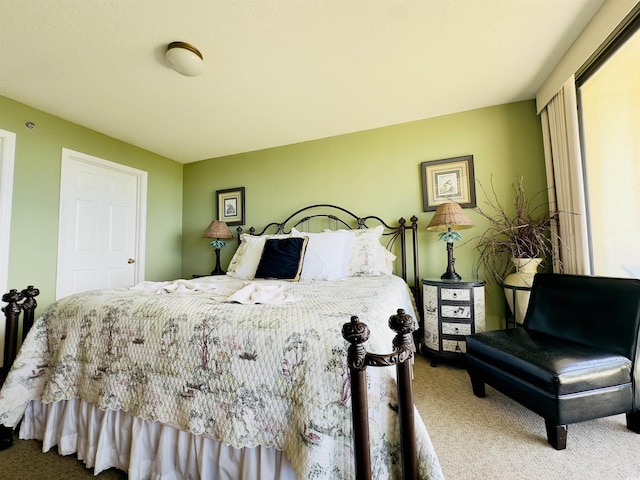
372	172
36	193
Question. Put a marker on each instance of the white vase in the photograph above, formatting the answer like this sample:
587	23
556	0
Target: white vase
522	279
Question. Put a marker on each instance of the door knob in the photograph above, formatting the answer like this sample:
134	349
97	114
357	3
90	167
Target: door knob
131	260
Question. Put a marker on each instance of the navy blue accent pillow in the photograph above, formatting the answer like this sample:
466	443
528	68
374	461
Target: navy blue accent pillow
282	258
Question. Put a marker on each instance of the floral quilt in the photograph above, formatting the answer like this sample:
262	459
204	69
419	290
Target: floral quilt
245	374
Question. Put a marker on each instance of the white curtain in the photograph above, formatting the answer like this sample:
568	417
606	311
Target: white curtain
565	180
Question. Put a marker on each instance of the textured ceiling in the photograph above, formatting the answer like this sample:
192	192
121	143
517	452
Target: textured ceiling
276	71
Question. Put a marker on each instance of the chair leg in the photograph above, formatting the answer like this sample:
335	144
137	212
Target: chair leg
477	384
633	421
556	435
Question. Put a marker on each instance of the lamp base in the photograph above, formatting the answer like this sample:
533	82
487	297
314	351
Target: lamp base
218	270
452	276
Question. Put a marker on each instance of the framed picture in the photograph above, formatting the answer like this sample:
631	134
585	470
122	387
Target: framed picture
450	179
231	205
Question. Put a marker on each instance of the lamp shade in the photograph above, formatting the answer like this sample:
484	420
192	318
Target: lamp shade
184	59
217	229
449	215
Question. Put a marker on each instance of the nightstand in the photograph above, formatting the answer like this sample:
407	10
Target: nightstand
451	311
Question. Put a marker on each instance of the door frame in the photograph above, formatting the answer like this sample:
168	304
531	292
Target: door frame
7	160
141	208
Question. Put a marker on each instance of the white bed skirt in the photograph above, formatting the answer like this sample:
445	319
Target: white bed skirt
144	449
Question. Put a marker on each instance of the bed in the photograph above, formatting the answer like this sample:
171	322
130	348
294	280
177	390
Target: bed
242	375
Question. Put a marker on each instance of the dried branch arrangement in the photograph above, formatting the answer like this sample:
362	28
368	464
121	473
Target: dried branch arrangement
526	233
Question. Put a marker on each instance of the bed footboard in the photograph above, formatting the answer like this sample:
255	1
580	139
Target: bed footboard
356	333
12	316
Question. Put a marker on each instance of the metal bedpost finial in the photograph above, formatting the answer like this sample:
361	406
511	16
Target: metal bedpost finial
402	323
29	295
356	333
30	291
12	298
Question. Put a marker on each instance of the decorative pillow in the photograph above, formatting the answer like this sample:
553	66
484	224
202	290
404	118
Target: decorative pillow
368	256
327	255
282	258
245	261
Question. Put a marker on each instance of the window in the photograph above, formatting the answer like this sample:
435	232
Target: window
609	113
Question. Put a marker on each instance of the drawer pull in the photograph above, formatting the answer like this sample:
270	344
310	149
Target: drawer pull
453	311
456	328
457	294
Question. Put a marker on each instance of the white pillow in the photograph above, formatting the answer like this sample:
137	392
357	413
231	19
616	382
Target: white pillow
247	256
327	255
368	256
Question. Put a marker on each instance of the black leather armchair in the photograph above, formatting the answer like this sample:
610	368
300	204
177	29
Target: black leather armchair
574	359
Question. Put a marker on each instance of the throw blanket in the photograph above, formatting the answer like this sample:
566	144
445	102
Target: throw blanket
247	375
257	293
250	293
181	285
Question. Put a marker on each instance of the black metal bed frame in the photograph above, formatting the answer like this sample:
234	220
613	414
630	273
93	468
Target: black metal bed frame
391	233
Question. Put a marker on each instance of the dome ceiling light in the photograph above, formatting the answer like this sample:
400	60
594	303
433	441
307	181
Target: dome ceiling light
184	59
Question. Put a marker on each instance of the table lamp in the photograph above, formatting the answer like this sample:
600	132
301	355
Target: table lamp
217	229
448	217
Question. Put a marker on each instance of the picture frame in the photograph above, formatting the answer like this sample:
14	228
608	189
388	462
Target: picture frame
449	179
230	205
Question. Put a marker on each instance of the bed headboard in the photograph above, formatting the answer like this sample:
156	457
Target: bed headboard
315	218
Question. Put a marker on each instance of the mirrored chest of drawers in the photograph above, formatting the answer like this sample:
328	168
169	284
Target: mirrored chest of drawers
451	311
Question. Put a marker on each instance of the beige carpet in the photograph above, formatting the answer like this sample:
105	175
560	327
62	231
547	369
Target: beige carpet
490	438
496	438
25	461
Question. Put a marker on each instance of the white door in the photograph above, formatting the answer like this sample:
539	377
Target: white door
102	224
7	155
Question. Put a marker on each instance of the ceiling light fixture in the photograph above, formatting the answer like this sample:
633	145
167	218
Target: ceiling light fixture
184	59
